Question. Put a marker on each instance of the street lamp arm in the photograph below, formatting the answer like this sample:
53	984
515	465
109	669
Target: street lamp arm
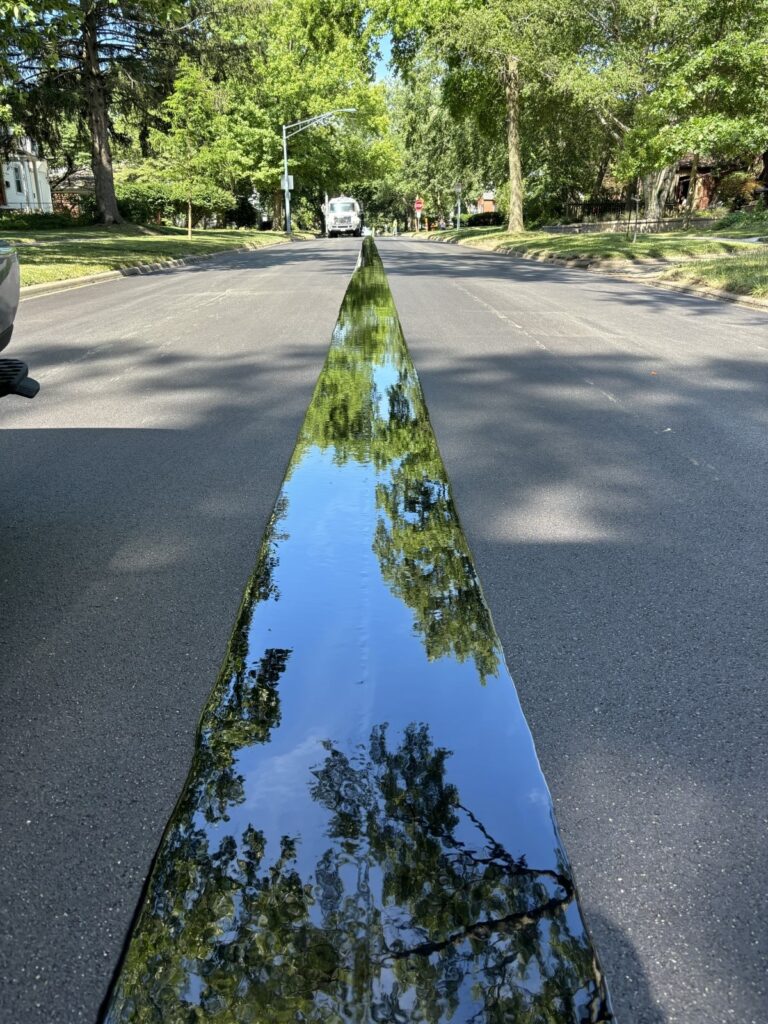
292	129
307	122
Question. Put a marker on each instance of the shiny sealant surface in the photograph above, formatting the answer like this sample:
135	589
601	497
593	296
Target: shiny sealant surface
365	833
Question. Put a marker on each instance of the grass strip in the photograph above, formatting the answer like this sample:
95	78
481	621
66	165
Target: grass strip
60	259
742	275
597	246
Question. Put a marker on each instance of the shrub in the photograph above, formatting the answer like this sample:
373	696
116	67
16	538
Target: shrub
476	220
484	220
89	211
737	188
242	215
10	220
145	197
142	200
541	209
753	220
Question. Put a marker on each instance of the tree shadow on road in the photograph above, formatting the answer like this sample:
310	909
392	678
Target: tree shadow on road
617	524
466	264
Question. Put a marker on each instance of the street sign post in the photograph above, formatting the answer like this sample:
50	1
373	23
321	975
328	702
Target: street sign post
418	206
286	182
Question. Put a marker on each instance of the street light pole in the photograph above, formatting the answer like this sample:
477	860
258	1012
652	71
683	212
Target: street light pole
290	130
285	184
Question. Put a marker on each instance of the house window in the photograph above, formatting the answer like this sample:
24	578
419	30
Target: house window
17	176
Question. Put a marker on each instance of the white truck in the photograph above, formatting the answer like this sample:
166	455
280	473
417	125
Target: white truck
343	216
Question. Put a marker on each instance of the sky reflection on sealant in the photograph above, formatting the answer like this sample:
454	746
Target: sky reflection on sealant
365	833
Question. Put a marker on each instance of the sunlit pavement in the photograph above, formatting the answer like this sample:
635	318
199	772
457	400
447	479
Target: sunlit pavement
607	448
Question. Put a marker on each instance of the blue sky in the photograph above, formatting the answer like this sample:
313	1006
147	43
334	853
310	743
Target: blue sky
382	70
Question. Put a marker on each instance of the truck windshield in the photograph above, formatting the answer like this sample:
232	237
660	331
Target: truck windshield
342	207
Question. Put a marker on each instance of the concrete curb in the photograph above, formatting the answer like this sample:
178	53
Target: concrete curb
613	269
33	291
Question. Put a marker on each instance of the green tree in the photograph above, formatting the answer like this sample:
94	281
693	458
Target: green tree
281	62
73	64
666	80
439	140
197	154
508	49
709	92
581	91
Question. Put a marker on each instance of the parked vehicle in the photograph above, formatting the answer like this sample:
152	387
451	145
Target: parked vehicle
14	375
343	216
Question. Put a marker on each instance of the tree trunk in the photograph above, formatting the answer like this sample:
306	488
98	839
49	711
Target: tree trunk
602	170
692	189
144	141
98	121
657	186
189	219
512	89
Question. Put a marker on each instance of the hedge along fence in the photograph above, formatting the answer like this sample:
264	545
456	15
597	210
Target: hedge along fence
10	220
490	219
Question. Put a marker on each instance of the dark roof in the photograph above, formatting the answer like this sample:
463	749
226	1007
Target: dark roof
78	181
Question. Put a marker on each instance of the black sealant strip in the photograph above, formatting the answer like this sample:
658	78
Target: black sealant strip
365	833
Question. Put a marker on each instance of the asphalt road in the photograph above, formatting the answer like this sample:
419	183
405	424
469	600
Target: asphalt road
608	451
135	489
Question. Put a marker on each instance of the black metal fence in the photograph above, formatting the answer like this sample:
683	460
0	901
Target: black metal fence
608	209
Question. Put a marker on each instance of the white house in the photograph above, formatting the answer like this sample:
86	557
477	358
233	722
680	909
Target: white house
24	184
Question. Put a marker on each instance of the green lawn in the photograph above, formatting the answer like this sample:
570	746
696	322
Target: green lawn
742	275
79	251
598	246
20	237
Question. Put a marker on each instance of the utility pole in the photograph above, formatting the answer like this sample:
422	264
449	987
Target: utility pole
293	129
285	184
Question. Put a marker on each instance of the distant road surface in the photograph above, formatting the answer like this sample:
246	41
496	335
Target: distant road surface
608	448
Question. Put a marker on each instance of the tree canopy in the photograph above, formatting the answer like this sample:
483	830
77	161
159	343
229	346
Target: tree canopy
546	102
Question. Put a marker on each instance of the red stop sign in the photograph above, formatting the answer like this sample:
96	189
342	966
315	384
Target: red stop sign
418	205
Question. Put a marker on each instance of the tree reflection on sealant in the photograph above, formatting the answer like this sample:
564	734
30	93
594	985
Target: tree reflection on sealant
368	406
364	834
